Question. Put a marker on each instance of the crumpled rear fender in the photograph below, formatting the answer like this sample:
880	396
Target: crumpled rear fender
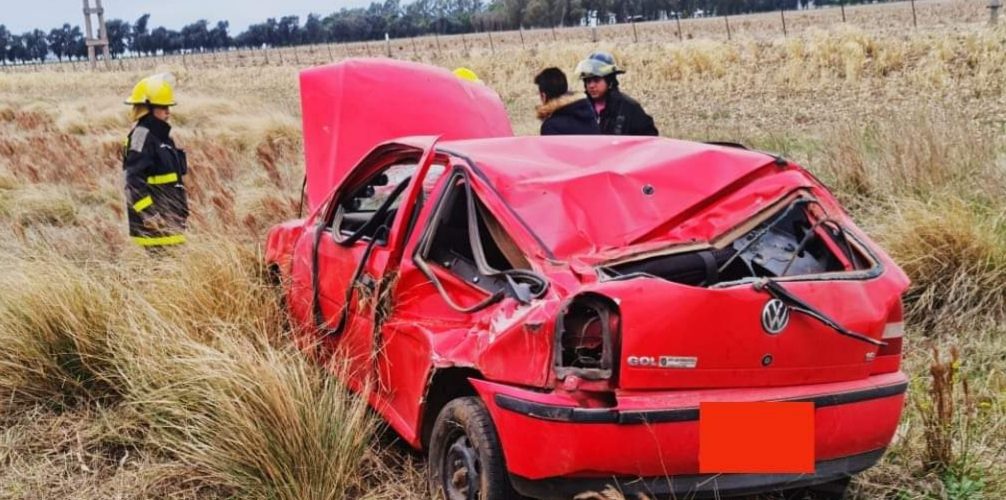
510	343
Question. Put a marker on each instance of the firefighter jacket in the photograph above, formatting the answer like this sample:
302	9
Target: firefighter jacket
622	115
156	200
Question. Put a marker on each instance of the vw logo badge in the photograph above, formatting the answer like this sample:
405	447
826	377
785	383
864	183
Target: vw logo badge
774	316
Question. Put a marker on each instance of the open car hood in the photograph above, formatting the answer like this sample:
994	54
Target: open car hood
352	106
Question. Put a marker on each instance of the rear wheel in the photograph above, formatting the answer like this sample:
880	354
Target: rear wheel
465	456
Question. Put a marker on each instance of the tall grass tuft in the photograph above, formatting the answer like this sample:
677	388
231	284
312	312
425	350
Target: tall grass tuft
955	253
189	349
260	421
55	329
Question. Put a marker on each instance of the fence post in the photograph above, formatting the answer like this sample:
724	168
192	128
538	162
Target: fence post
726	20
843	10
593	33
994	6
437	38
415	51
464	41
296	55
677	20
491	45
782	13
387	43
915	21
553	33
635	36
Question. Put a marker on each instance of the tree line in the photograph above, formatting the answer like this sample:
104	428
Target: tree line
380	19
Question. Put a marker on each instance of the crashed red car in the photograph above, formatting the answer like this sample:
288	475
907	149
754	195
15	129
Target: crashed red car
545	315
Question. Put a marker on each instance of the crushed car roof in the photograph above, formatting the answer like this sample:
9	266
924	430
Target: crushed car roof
589	194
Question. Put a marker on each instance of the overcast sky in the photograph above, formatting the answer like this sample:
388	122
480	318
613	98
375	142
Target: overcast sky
25	15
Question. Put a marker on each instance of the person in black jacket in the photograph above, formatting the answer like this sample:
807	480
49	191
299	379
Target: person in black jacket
561	112
616	112
156	201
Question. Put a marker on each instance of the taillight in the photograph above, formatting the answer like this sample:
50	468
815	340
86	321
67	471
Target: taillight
889	356
587	338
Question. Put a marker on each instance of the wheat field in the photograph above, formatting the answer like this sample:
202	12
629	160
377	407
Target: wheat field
123	377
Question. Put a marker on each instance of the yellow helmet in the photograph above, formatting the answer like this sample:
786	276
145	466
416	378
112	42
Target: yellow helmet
467	74
155	90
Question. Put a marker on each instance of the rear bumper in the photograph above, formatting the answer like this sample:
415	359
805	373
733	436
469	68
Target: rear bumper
548	439
656	416
697	485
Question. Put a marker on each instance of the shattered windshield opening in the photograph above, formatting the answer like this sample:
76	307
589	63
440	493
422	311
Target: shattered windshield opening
798	240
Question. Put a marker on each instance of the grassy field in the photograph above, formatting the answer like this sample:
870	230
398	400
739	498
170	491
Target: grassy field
121	377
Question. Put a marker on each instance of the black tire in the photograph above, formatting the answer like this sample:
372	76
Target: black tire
465	456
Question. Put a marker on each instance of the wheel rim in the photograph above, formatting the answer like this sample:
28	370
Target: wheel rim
461	471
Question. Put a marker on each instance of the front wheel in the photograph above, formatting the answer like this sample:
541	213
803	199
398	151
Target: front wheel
465	456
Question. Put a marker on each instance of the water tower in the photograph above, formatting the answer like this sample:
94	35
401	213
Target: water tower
102	39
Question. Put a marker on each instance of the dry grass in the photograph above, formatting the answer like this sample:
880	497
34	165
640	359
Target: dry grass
124	378
182	362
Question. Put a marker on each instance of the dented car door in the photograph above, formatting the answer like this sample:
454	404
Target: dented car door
357	247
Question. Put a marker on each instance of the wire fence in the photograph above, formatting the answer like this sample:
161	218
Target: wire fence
894	16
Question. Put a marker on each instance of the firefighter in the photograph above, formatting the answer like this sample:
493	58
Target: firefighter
616	113
155	194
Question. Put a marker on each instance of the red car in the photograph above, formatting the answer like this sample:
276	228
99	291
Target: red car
545	315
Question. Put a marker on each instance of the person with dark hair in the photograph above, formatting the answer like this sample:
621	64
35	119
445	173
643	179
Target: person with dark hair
560	111
615	112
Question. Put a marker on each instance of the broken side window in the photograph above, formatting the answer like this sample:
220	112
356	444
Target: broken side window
358	207
453	245
467	240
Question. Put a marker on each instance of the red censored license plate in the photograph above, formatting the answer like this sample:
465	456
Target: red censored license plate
756	437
